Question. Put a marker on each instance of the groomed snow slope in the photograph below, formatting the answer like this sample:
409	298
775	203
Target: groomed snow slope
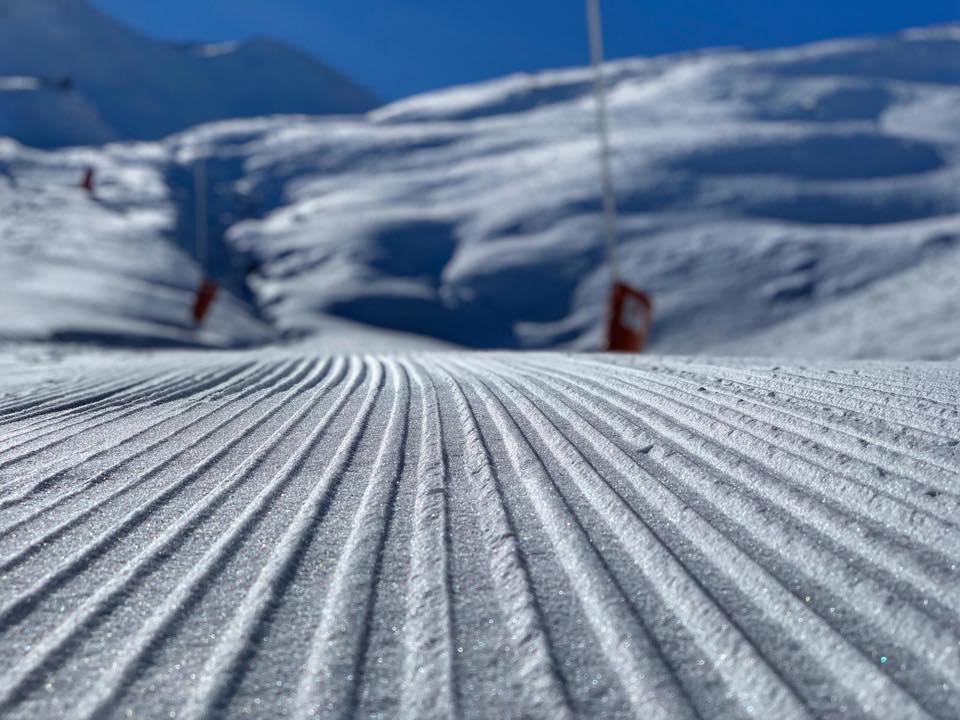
287	534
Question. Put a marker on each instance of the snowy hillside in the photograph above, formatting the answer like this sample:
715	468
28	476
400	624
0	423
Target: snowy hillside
801	201
113	269
756	187
123	85
103	270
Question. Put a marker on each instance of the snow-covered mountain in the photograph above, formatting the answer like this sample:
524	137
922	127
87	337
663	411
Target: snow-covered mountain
799	201
123	85
336	527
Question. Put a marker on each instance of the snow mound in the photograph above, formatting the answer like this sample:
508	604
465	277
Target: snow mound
127	86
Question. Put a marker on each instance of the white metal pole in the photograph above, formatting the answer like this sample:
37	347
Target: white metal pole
603	130
200	194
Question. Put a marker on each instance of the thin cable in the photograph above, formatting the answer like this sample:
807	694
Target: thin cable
603	130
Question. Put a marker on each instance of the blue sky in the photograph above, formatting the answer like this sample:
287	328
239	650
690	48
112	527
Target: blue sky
398	47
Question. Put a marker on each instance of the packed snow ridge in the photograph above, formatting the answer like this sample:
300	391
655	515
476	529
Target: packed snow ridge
798	201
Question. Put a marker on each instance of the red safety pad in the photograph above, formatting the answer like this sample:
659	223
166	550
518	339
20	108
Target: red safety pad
631	318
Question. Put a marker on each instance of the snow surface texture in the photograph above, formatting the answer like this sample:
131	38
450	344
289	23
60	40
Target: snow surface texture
127	86
287	534
799	202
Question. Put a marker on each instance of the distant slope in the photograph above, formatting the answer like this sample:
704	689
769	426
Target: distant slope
101	270
755	186
914	313
794	202
140	88
44	117
310	535
114	270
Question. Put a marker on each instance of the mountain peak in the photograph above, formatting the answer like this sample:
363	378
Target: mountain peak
42	8
144	89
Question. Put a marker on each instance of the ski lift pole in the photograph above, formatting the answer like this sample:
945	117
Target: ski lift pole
603	132
200	210
631	310
207	292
